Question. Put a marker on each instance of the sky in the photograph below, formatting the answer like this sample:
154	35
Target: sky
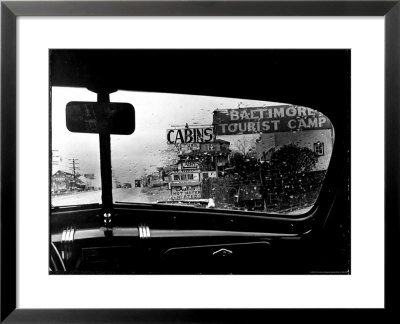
144	150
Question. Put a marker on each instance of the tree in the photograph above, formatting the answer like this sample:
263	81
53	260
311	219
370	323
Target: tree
291	159
289	176
243	167
246	146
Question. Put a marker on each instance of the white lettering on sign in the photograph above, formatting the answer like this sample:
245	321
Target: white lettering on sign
268	119
190	135
190	165
187	148
194	193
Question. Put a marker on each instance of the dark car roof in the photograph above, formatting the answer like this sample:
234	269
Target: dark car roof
303	77
319	79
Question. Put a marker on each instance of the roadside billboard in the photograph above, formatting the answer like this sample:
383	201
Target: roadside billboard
188	147
185	193
271	119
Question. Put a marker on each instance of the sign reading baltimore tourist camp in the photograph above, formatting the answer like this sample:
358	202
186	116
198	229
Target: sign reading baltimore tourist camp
267	120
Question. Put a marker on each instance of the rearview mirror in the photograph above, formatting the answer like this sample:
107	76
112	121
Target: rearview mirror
94	117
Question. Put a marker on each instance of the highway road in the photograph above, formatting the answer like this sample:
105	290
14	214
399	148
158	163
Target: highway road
139	195
135	195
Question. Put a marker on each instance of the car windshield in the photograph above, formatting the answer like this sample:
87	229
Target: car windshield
199	151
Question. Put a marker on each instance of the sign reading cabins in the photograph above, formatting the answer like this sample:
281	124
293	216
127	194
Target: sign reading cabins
190	135
190	165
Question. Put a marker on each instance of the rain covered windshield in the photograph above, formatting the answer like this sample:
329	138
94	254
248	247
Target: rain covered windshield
200	151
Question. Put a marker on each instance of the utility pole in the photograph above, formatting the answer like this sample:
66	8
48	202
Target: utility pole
74	168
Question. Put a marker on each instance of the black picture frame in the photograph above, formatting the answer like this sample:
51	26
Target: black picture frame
10	10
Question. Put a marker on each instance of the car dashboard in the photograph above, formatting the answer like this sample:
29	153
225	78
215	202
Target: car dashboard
135	241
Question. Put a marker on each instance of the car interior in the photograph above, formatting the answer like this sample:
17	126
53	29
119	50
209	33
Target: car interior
174	237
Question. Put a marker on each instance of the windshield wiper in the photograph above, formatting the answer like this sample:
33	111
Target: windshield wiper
76	205
164	204
134	203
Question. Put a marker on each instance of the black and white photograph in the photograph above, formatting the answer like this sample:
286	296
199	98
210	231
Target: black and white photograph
199	161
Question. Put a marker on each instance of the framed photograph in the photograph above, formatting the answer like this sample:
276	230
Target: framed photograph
192	155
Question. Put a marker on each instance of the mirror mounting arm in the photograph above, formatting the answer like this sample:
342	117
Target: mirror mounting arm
105	161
